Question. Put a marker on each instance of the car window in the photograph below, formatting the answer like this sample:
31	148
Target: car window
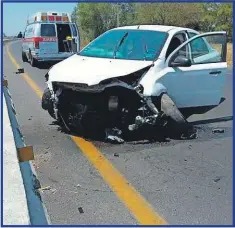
176	41
191	34
48	30
211	49
29	31
198	48
127	44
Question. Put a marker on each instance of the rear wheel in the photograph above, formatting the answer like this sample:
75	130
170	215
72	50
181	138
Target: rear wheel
33	61
24	57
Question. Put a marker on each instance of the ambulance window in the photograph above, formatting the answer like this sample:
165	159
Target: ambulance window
48	30
74	30
29	31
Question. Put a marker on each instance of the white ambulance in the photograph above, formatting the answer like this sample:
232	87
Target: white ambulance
49	36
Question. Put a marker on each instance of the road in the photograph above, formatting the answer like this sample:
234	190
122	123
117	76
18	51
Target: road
186	182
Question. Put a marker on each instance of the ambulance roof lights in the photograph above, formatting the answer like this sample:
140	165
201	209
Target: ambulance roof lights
49	17
65	18
58	18
44	18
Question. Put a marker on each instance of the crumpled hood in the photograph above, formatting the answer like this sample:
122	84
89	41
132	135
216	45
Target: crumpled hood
91	71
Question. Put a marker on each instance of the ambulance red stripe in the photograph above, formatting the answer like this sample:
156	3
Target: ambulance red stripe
40	39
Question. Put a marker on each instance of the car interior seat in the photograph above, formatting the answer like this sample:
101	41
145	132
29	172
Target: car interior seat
175	42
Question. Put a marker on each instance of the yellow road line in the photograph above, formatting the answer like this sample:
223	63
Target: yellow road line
137	205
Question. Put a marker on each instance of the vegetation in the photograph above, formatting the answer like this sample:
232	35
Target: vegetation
95	18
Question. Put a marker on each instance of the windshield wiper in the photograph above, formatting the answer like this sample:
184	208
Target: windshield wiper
119	44
145	51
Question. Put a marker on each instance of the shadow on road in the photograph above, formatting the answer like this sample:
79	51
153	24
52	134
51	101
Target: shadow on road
215	120
46	65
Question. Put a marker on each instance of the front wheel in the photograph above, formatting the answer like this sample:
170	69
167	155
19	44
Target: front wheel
177	122
33	62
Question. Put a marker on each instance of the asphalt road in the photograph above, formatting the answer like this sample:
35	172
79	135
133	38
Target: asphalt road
184	181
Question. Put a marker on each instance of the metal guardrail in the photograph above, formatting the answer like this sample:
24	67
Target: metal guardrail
37	211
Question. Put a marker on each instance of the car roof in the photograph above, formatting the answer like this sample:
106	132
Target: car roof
161	28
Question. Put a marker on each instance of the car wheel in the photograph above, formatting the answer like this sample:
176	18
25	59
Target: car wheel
33	62
24	57
177	123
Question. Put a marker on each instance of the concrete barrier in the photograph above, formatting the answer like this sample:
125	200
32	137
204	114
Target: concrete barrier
7	40
22	203
15	209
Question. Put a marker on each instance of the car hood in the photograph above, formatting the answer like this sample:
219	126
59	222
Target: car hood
91	71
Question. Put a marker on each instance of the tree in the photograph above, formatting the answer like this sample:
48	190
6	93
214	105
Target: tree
217	16
177	14
95	18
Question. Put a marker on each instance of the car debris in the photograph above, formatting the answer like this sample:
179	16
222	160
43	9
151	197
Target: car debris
20	71
218	130
80	209
216	180
113	135
118	91
45	188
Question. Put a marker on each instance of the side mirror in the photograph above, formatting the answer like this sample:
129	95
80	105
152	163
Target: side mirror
180	61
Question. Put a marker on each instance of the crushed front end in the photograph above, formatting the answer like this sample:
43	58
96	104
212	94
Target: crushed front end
110	109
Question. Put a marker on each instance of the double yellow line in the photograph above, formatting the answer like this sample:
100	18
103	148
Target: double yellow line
137	205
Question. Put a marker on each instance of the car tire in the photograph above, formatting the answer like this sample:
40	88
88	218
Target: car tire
177	123
33	61
24	57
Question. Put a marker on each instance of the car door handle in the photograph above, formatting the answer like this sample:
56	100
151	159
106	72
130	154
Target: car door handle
215	72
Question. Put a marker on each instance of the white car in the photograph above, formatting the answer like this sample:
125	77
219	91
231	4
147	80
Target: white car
136	76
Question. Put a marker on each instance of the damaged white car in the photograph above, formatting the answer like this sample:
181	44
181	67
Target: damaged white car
138	76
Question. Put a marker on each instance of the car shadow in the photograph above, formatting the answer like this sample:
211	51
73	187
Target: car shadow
214	120
46	65
143	136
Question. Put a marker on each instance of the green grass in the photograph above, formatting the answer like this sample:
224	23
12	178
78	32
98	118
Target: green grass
230	54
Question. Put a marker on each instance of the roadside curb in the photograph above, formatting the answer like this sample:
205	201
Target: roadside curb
37	213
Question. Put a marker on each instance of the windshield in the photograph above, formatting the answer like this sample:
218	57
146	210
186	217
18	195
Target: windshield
127	44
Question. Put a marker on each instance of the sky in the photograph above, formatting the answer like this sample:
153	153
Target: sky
15	14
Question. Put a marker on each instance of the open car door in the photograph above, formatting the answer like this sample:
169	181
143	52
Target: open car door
75	38
197	70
